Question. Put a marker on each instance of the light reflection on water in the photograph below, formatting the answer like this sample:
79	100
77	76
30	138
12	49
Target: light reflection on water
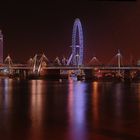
95	101
37	93
6	93
118	100
36	103
77	109
40	109
136	89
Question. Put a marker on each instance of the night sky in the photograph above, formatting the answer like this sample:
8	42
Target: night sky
36	27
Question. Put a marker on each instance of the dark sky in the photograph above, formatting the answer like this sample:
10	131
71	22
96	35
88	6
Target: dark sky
36	27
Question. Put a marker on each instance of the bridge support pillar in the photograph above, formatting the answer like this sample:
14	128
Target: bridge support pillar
89	74
127	75
20	74
51	73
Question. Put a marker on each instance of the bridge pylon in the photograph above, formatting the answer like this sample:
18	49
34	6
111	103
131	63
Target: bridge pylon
119	56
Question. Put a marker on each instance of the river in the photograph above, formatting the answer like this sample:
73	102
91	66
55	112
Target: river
69	110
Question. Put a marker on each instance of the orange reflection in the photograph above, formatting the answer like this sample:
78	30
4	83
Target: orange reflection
36	102
36	108
95	99
8	90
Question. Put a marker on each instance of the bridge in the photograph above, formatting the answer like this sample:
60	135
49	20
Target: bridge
41	64
25	67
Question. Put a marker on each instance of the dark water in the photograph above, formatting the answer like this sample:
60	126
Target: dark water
69	110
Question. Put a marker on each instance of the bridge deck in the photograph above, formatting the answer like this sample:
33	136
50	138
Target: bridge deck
76	68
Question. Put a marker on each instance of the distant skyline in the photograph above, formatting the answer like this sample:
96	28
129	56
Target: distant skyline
31	28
